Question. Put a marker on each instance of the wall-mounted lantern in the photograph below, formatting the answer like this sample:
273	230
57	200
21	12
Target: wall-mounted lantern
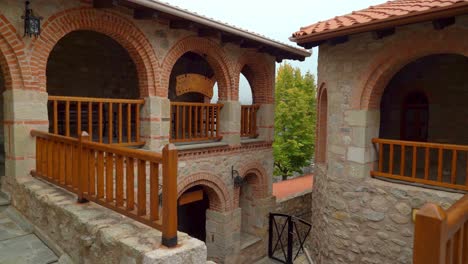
32	23
238	180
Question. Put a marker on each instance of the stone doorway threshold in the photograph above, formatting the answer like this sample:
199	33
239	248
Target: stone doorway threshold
247	240
18	242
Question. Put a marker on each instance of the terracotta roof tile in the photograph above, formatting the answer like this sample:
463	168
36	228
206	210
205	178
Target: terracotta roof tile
390	9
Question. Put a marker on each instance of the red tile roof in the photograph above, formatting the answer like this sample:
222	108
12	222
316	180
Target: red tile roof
292	187
389	11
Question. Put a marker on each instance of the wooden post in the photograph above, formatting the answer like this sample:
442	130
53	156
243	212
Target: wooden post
429	235
170	156
82	172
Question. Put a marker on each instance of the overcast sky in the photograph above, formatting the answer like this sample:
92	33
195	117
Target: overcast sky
275	19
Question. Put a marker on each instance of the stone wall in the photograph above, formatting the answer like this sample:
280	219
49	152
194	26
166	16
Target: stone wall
299	205
358	219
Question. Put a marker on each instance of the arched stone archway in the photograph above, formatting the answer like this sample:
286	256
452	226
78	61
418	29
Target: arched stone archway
111	24
395	56
216	190
206	48
259	75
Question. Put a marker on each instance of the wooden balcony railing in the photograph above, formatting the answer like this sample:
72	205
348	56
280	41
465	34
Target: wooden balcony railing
122	179
434	164
249	120
194	122
441	237
112	121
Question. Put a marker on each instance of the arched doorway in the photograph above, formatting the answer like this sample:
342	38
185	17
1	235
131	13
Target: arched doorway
426	102
249	213
191	212
194	110
84	65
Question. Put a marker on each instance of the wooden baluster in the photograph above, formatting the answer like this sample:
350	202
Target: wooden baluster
201	122
255	122
183	122
458	246
440	165
69	165
390	168
196	121
177	121
426	164
120	123
100	122
119	181
78	119
207	121
50	159
92	172
218	109
67	118
55	154
141	193
454	167
190	123
110	124
154	191
212	108
90	120
381	146
402	161
55	117
169	229
109	177
130	184
61	160
449	252
82	167
100	175
415	158
129	123
137	122
38	156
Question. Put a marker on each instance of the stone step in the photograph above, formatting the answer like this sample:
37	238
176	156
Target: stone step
4	200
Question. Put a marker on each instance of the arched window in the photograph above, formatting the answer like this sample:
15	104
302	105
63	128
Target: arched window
415	117
321	146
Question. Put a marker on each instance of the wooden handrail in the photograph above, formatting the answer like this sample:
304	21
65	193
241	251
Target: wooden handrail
194	121
107	120
395	150
249	120
97	172
441	237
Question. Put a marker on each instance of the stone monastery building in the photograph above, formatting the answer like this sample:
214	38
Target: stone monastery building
91	102
391	132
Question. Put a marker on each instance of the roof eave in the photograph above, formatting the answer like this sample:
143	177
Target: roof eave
427	15
178	12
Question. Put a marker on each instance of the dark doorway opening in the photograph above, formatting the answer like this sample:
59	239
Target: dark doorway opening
192	216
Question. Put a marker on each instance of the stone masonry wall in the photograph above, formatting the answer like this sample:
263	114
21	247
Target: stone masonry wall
358	219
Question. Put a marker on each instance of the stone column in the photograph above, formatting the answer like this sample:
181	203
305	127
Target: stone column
223	235
229	122
266	122
365	125
24	110
155	122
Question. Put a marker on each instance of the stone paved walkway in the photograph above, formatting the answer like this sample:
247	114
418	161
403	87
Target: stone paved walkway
18	244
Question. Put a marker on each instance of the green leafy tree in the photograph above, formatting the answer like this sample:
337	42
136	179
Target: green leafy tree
295	117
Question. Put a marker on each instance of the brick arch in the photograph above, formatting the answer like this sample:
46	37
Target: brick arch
321	124
111	24
259	75
256	176
13	62
215	57
216	190
396	55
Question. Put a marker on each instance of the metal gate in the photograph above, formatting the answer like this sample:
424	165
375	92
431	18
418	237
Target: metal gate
287	235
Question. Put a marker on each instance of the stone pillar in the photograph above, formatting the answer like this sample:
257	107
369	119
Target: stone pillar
266	122
24	110
365	125
156	122
229	124
223	235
